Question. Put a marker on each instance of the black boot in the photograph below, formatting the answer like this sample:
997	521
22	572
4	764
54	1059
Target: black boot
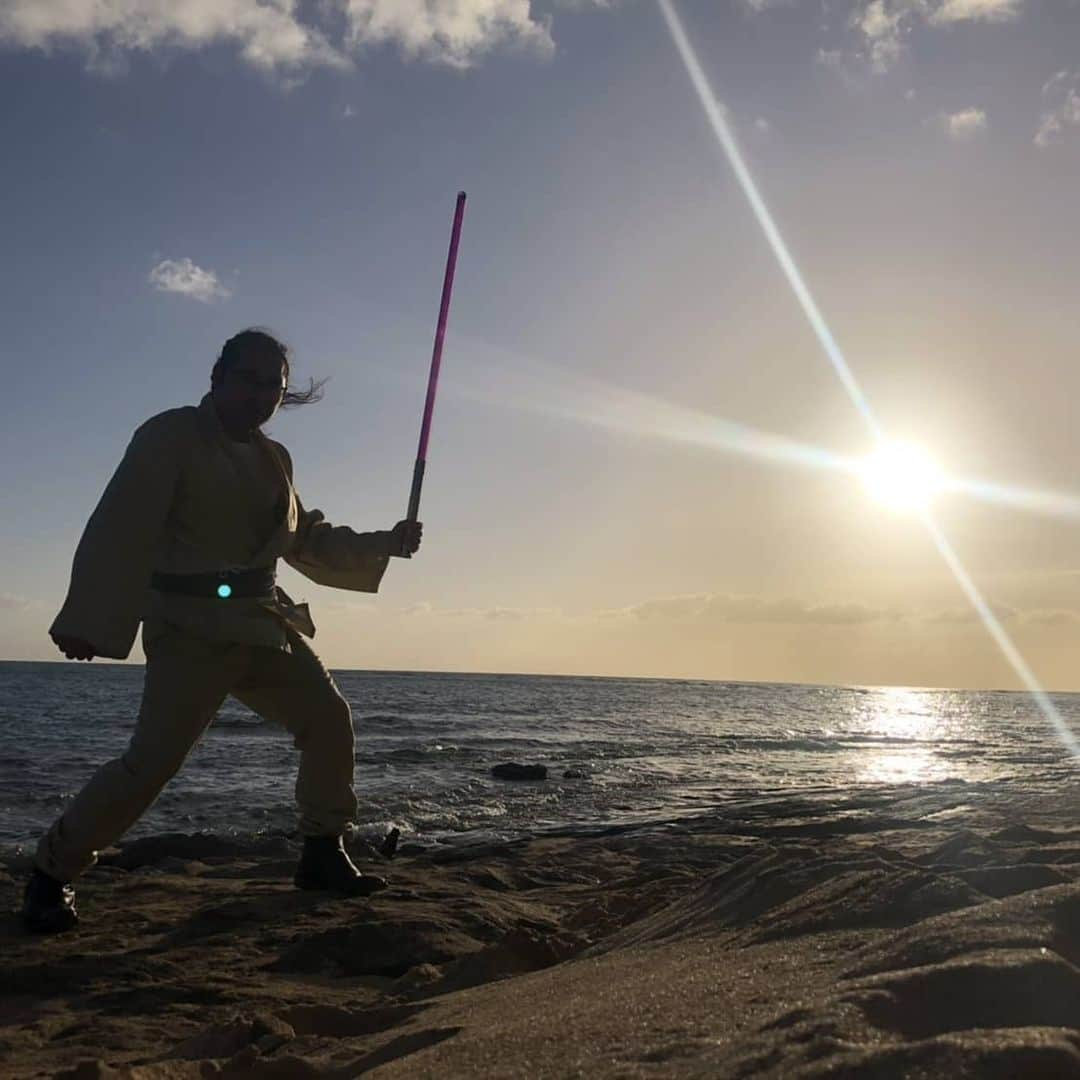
326	866
48	904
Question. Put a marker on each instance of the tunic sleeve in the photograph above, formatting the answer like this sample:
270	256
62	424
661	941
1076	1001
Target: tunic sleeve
110	574
336	555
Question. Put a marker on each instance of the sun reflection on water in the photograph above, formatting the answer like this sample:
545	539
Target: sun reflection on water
907	722
913	766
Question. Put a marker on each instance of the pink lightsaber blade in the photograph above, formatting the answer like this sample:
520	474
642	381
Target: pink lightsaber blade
436	361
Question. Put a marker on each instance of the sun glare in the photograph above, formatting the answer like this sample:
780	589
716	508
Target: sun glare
902	476
898	475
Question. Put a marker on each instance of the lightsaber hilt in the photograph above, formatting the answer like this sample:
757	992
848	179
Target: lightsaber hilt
417	483
436	363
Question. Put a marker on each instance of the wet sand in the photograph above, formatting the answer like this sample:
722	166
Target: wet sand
911	932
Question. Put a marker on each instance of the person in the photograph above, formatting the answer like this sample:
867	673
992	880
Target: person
186	539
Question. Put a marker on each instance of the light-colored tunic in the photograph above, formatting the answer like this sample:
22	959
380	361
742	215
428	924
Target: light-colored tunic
187	499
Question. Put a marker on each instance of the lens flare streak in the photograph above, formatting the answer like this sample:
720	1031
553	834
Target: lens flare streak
1001	638
1050	503
715	114
497	376
714	111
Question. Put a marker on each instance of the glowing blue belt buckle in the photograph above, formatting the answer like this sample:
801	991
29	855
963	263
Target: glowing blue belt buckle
224	590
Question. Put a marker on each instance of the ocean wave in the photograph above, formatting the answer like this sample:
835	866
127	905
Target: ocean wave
831	744
394	720
244	723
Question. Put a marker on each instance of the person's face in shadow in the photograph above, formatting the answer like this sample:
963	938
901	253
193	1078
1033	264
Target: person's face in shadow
249	393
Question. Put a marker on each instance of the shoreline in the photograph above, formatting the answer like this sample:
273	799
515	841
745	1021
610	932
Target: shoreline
708	679
908	931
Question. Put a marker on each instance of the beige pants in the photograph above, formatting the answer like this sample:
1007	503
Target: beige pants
187	679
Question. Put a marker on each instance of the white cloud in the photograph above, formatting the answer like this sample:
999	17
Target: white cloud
716	613
716	609
722	608
758	6
968	615
451	31
1007	614
962	125
845	66
508	614
882	26
951	11
268	35
701	608
184	277
271	35
1052	617
1061	98
832	59
1049	131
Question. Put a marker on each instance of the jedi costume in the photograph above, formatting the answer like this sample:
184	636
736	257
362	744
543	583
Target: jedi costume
185	539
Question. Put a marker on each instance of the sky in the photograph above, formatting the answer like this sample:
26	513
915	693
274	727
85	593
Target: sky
173	173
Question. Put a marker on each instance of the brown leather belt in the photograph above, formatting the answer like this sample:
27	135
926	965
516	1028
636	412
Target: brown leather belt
224	585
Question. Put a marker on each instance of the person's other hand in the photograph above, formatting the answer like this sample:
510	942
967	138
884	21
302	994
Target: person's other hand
405	537
74	648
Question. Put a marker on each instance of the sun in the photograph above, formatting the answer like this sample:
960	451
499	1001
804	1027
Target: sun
902	476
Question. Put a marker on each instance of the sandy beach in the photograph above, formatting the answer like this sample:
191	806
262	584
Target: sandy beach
907	932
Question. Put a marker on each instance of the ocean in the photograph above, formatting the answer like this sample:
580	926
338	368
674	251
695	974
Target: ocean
618	751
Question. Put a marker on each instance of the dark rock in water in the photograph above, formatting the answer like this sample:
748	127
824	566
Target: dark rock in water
512	770
576	774
389	846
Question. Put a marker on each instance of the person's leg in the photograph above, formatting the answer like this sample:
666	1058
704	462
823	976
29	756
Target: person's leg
295	689
187	678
